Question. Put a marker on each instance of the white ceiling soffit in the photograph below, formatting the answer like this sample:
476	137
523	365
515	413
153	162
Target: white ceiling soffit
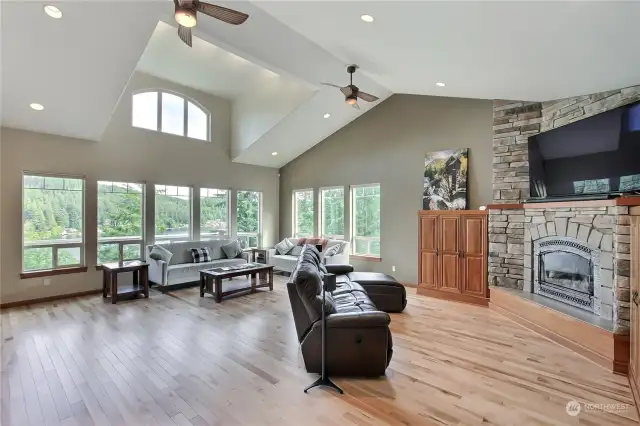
506	50
265	41
76	66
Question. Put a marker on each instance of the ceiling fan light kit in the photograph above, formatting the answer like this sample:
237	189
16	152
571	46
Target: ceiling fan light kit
351	92
186	12
186	17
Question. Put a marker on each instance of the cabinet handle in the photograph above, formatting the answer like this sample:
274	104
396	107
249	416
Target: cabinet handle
635	298
436	252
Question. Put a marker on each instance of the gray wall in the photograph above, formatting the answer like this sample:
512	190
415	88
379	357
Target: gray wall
387	146
124	154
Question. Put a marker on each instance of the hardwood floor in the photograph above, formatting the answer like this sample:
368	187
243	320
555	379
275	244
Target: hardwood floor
177	359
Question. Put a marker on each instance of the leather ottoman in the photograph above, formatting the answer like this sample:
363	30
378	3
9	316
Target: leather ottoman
384	291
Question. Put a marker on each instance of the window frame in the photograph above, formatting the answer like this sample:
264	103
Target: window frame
185	101
55	268
321	214
123	241
228	230
352	225
258	234
294	219
171	240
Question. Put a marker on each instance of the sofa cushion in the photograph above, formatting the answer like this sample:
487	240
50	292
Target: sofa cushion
308	282
333	250
295	251
182	251
347	287
373	278
200	255
355	301
160	253
232	250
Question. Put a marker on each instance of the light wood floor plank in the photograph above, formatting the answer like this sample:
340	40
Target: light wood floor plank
179	359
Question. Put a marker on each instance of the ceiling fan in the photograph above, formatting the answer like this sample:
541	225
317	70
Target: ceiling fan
351	92
186	12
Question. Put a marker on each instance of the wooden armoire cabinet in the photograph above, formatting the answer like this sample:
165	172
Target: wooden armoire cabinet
634	288
452	262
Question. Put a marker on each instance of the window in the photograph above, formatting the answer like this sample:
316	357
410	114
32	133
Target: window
303	213
170	113
173	213
365	220
214	213
249	206
120	221
332	213
53	222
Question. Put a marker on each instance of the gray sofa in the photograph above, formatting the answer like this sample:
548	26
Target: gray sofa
181	269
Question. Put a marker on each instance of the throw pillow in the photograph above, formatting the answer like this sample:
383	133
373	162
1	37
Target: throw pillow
200	255
333	250
160	253
232	249
295	251
284	246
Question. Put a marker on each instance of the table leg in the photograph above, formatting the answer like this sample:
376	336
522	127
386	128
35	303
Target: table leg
254	280
202	283
136	278
271	279
105	283
218	290
114	288
145	281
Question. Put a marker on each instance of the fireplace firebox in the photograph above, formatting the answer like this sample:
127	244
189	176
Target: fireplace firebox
567	270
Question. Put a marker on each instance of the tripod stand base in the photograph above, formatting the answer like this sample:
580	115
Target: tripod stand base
324	381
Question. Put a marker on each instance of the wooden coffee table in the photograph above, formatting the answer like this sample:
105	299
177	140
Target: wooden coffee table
261	276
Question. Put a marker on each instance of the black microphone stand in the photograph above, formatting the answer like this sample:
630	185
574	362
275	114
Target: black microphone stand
324	379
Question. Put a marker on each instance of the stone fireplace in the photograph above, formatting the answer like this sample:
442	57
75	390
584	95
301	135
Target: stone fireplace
576	253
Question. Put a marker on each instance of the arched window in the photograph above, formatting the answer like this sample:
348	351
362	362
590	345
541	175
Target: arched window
170	113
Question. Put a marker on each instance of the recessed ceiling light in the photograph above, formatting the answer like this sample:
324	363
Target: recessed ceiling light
327	115
367	18
37	107
53	11
274	153
440	84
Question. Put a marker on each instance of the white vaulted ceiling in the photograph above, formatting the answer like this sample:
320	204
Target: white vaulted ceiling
271	67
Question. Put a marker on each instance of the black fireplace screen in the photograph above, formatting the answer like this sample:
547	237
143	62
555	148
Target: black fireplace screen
566	270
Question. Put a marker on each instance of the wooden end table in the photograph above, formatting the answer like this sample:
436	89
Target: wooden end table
259	255
211	280
140	285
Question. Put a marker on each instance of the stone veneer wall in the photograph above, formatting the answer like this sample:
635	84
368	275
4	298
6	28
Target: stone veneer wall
513	123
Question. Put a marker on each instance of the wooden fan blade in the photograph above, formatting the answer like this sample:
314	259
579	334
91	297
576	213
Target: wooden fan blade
347	91
185	34
367	97
331	85
356	106
229	16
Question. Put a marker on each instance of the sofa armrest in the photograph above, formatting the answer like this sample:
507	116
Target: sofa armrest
338	269
270	253
371	319
158	271
246	255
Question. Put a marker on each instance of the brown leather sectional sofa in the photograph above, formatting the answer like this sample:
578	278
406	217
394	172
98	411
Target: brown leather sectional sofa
359	340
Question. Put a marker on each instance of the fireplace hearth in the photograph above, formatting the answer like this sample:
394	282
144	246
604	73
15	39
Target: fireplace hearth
567	270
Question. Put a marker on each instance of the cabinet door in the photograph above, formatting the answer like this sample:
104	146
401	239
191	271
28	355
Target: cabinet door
449	254
634	361
428	251
474	255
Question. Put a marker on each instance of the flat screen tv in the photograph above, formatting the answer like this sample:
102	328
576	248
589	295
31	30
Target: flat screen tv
597	155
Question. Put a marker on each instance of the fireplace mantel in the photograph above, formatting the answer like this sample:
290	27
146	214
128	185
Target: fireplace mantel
621	201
